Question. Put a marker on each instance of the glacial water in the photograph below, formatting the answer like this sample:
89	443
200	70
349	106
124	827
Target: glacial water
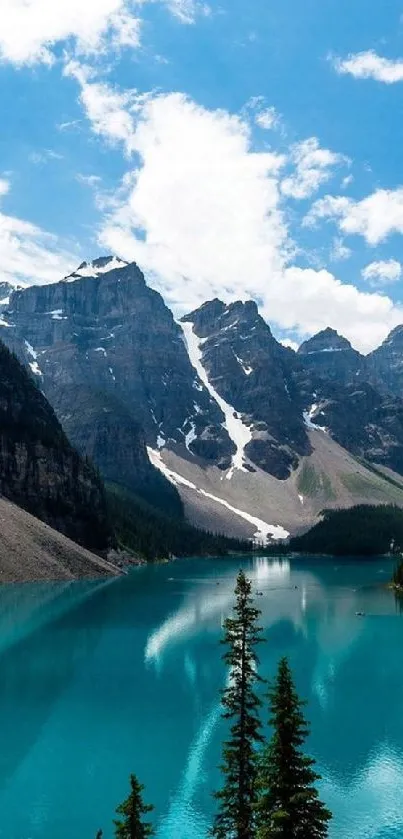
101	679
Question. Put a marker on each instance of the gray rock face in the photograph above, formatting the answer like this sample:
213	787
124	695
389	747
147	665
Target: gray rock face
112	361
39	469
385	364
332	357
255	375
114	364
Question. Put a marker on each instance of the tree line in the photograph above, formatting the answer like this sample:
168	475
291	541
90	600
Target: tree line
364	530
269	785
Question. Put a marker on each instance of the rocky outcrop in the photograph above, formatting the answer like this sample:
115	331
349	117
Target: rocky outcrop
111	359
39	469
385	364
121	376
255	375
331	357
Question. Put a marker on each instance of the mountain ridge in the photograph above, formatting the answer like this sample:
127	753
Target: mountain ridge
216	391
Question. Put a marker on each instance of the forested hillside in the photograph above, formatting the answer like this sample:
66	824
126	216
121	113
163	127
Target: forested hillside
143	529
364	530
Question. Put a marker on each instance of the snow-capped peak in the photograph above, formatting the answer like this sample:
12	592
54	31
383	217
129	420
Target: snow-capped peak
93	269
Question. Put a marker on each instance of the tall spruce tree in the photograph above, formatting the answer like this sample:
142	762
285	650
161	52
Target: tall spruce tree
289	806
237	799
131	825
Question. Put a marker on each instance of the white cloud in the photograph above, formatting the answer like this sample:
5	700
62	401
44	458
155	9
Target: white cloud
29	29
109	111
268	118
288	342
347	181
369	65
30	254
64	126
202	213
4	186
92	181
187	10
313	167
42	157
375	217
382	272
339	250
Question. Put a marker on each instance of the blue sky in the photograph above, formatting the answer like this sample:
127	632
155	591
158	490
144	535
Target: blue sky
241	148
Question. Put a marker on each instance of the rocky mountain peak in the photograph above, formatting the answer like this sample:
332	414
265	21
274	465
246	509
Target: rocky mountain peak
328	340
101	265
216	317
385	364
394	339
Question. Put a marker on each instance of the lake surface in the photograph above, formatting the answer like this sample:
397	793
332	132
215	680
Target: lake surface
101	679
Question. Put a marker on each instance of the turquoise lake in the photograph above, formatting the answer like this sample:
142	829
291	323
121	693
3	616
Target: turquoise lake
101	679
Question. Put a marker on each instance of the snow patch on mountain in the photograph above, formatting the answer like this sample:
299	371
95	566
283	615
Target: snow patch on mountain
96	268
245	367
308	419
31	351
237	430
264	530
190	436
35	368
328	349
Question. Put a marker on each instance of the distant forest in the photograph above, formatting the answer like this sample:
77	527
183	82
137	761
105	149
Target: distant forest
364	530
145	530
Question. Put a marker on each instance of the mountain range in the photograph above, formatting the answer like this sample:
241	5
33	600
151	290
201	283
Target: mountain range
210	414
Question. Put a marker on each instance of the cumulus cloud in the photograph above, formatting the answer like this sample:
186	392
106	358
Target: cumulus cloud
109	111
382	272
28	253
375	217
30	29
203	214
369	65
313	167
288	342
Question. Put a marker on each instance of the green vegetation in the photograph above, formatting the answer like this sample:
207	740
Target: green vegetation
310	482
143	529
364	530
131	825
288	804
238	797
381	474
358	484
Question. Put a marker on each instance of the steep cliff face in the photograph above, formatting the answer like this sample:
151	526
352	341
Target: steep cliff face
342	396
254	374
112	362
39	469
332	357
221	408
385	364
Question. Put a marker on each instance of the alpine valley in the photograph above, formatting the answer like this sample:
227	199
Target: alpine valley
257	439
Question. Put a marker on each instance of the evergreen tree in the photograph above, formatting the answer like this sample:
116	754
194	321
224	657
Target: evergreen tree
99	834
131	825
289	806
237	800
